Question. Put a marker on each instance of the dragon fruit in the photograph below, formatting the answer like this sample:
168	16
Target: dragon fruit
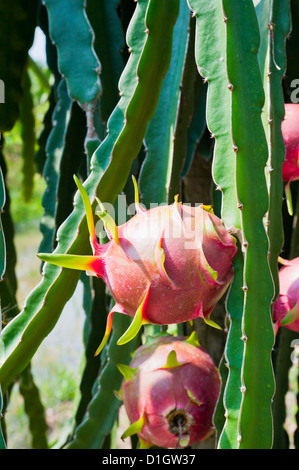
290	133
286	307
166	265
170	391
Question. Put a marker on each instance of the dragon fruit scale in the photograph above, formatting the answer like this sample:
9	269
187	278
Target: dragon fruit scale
166	265
286	306
170	391
290	133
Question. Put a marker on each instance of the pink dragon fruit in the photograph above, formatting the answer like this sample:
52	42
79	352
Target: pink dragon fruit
165	265
170	392
286	307
290	133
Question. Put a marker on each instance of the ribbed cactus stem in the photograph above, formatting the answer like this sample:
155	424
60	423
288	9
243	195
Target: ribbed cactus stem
257	382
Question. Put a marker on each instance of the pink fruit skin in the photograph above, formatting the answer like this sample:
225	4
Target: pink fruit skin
164	259
155	392
290	132
166	265
288	293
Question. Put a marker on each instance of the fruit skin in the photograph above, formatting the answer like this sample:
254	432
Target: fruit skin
166	265
290	132
159	394
286	307
187	284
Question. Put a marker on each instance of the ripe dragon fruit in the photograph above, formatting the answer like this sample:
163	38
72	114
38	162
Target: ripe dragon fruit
286	307
290	133
166	265
170	391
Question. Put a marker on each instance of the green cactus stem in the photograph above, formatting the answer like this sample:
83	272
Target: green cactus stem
255	420
160	136
77	61
54	151
27	120
210	54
